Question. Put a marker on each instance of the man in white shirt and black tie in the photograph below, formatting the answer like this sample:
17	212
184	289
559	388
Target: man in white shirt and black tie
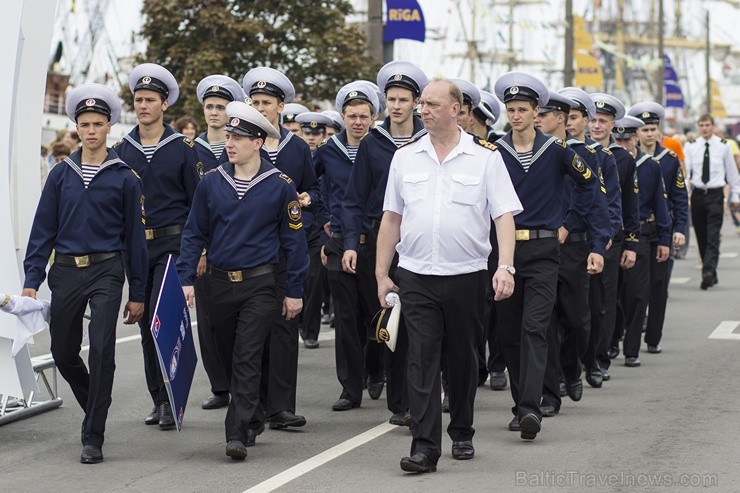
710	165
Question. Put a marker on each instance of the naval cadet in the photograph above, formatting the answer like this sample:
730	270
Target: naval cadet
354	294
537	164
337	124
485	115
471	100
289	114
655	237
403	83
269	90
651	114
170	170
214	92
313	128
91	213
246	212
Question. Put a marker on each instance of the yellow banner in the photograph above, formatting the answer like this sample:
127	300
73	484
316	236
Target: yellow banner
718	107
588	71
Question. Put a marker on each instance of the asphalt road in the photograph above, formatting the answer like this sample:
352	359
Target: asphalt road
673	420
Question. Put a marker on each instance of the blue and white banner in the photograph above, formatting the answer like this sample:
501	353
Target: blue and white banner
671	89
173	338
404	20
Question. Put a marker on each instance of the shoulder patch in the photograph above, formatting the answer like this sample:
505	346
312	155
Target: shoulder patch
606	151
590	150
209	171
323	143
724	141
199	168
189	142
294	215
562	143
480	142
673	154
285	177
135	173
117	144
680	180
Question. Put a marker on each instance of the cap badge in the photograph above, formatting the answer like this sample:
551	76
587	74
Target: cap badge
646	114
313	124
261	84
620	130
290	116
146	80
90	102
248	100
514	90
234	122
215	89
352	94
599	104
397	77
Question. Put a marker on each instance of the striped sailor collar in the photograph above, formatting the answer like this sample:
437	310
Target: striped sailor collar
541	142
641	157
134	137
384	129
74	161
226	171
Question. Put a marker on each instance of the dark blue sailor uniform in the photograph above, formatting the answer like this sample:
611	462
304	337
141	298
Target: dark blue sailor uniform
207	158
92	231
245	237
536	258
169	181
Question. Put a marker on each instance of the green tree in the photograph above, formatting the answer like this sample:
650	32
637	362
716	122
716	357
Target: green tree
310	41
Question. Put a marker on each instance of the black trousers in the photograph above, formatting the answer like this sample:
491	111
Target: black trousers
437	307
72	289
660	277
207	341
570	324
610	278
596	310
159	250
495	361
242	314
523	320
396	388
355	303
707	213
634	295
312	295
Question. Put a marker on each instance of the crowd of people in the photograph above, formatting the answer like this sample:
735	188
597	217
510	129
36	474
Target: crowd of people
532	253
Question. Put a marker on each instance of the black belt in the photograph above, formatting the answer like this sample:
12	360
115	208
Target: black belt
82	261
575	237
240	275
153	234
707	191
340	237
534	234
648	228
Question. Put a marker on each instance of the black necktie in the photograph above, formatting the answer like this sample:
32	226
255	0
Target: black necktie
705	166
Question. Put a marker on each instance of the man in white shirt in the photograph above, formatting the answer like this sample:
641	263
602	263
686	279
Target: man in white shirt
442	191
710	165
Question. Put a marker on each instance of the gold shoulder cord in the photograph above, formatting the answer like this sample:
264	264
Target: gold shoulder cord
5	301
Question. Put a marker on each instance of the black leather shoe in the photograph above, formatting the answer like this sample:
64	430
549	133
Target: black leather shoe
418	463
91	455
166	419
463	450
595	378
153	418
446	404
632	362
283	419
498	380
655	349
216	401
549	411
236	450
613	352
310	343
707	281
514	424
344	405
530	426
574	390
374	389
400	419
605	375
252	435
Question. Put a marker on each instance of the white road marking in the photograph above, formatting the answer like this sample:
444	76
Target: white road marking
728	255
85	348
309	465
680	280
725	331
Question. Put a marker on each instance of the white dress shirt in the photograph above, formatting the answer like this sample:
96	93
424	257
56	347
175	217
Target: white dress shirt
447	207
722	169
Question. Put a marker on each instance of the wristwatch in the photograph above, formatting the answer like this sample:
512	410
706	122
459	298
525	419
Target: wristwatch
508	268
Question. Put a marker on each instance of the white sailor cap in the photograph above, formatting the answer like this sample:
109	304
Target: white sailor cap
266	80
488	108
608	104
386	323
626	127
313	122
581	99
155	78
336	119
245	120
93	97
648	111
518	86
557	102
357	90
401	74
291	111
470	93
220	86
381	95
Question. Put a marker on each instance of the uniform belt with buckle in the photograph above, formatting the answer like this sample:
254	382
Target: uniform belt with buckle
576	237
153	234
82	261
534	234
240	275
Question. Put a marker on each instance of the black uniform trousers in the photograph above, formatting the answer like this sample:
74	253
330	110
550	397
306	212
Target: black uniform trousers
207	342
610	277
159	250
596	311
707	213
72	289
396	389
570	324
634	295
280	356
436	308
242	314
312	294
495	361
355	302
660	276
523	320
